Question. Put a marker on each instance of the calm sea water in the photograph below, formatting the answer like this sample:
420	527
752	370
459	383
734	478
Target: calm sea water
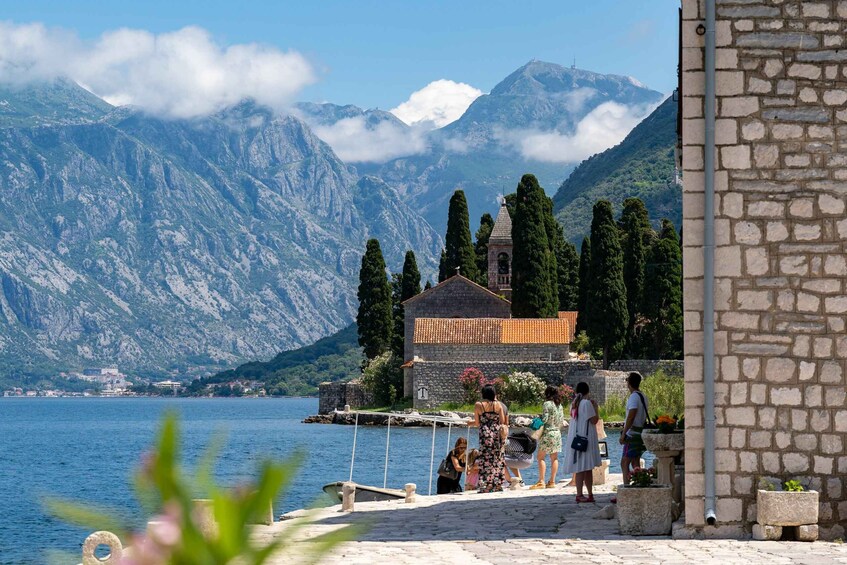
86	449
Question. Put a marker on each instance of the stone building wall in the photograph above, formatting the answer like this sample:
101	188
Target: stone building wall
671	367
781	181
441	378
453	298
334	396
471	353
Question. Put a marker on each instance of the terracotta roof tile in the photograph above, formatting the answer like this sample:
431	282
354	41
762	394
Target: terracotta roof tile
492	331
571	318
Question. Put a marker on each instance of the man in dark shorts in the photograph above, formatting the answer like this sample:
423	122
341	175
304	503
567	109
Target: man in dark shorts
636	417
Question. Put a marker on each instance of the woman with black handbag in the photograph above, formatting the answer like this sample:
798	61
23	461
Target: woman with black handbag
582	451
450	470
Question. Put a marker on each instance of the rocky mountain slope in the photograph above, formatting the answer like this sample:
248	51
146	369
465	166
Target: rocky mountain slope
182	245
485	151
642	166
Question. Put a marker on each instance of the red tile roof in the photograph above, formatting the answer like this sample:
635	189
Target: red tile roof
571	318
492	331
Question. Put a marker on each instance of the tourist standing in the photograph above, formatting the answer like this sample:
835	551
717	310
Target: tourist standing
636	417
456	458
490	417
583	424
551	438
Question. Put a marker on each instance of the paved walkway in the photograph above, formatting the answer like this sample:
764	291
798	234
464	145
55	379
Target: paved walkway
544	526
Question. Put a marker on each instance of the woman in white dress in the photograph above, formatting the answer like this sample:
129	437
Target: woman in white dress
582	463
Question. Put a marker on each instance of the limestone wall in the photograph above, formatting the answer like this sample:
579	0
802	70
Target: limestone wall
334	396
499	352
672	367
780	297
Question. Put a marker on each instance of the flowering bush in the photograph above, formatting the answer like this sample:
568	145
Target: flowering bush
666	424
472	381
566	394
641	477
522	388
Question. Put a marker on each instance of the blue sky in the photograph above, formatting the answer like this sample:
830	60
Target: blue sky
376	53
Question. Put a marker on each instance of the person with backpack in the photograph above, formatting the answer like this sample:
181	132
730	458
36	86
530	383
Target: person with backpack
450	470
636	418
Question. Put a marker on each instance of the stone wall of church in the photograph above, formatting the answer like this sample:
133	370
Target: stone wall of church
459	300
781	236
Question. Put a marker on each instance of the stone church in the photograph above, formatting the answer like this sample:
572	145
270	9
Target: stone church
459	324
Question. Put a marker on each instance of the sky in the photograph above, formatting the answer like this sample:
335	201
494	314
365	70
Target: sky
374	54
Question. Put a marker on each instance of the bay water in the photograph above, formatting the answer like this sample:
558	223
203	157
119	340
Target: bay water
87	449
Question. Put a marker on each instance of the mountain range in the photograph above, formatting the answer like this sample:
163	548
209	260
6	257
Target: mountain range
187	246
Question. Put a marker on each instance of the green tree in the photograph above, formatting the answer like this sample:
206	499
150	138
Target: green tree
606	301
486	224
458	242
533	264
374	318
442	266
584	276
428	285
636	237
663	295
383	377
407	285
555	240
397	314
567	264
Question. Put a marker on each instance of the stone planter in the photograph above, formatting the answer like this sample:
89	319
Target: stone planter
654	441
784	508
645	511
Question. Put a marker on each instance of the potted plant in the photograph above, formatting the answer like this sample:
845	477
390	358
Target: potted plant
786	503
644	508
666	436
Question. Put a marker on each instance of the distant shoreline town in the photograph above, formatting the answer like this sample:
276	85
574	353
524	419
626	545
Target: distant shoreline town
111	382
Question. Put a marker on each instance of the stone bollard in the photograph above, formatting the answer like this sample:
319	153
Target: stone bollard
348	496
346	407
601	473
203	515
102	538
411	488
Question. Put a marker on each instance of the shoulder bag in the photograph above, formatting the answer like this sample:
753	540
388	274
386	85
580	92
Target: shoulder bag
446	469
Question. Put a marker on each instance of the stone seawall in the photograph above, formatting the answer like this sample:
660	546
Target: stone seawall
334	396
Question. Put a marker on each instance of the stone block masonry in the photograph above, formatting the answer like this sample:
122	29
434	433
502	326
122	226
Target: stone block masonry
781	237
334	396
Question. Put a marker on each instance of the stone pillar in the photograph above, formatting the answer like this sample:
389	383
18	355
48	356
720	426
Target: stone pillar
348	496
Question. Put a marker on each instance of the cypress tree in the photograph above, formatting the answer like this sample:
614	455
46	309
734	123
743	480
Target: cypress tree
442	266
555	239
533	264
584	276
397	314
606	300
428	285
403	287
374	318
636	235
567	263
486	224
663	295
458	242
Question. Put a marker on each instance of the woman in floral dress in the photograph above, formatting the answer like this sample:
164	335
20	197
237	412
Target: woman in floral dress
490	417
551	439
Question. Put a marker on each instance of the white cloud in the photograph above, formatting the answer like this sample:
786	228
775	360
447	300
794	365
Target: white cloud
437	104
182	74
356	142
603	127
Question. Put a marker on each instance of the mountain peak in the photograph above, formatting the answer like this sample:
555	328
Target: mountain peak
48	102
541	77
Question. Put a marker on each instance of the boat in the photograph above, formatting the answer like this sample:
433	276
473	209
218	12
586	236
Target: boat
365	493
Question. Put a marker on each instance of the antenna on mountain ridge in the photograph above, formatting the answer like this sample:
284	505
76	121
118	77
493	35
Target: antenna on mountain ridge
574	63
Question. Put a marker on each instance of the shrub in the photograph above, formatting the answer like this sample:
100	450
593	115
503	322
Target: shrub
566	394
472	381
522	388
665	394
641	477
383	378
614	409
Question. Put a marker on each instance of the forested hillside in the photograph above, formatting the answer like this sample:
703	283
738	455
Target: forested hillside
641	166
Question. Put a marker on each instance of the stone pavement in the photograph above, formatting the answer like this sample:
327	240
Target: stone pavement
545	526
